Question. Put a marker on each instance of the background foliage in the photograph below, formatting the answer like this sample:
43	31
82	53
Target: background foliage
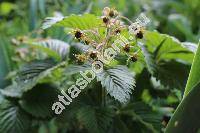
33	72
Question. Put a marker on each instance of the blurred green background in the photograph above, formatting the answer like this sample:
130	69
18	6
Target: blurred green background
178	18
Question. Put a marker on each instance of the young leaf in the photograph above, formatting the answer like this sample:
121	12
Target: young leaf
82	22
171	48
118	82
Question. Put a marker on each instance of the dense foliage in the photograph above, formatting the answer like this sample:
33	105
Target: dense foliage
46	43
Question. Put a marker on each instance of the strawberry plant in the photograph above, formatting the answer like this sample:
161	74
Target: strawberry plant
141	78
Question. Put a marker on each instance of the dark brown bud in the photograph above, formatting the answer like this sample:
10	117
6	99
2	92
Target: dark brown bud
78	34
80	58
117	31
134	58
111	13
139	35
93	55
126	48
87	42
105	20
21	39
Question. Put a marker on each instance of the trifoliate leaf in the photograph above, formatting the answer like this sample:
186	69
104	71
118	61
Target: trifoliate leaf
118	82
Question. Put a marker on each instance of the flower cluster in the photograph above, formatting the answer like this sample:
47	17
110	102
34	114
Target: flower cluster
113	26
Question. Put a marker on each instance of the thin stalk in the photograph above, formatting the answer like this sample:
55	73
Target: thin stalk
126	19
103	97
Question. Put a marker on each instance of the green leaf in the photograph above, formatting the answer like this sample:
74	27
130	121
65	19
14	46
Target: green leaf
11	91
33	14
34	68
29	76
95	120
13	118
6	8
143	113
1	98
80	47
149	58
120	126
5	60
167	59
49	127
172	74
73	69
185	118
171	48
191	46
82	22
87	116
104	116
39	100
118	82
53	47
194	77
